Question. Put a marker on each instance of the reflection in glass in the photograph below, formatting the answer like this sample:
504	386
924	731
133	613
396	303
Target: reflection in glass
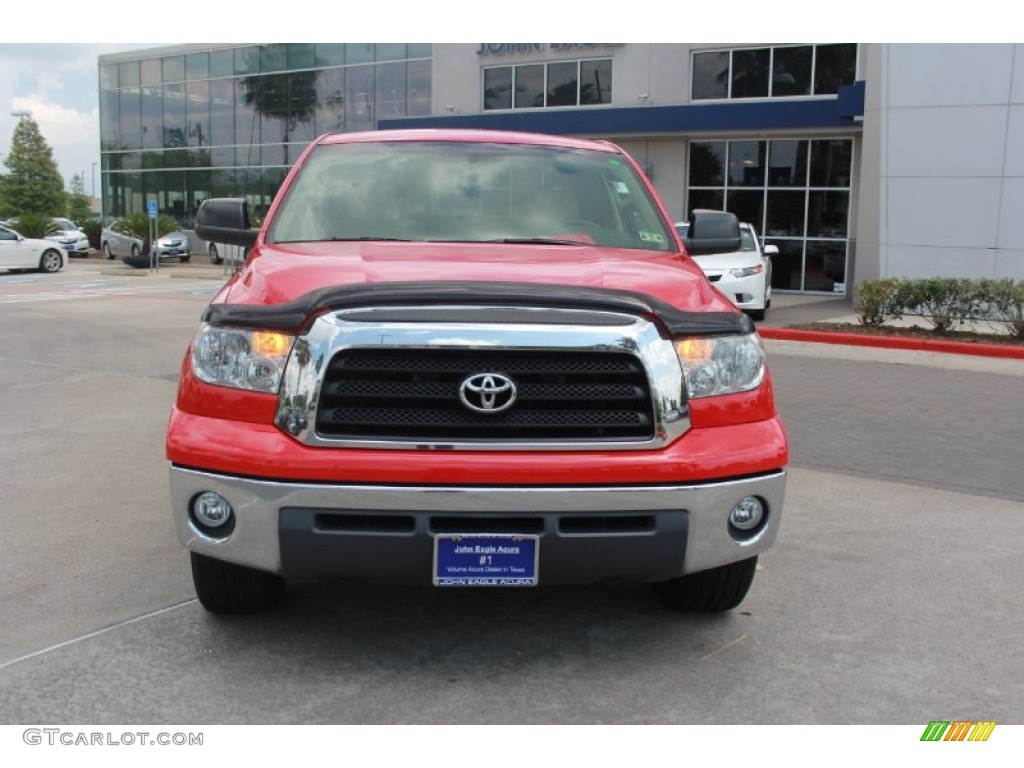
273	58
222	63
418	81
197	65
563	84
707	163
791	70
301	55
390	89
530	86
834	66
330	101
785	213
247	61
247	125
358	53
151	73
711	75
750	73
596	81
108	76
152	110
130	130
197	113
128	73
498	88
390	51
174	115
359	94
714	199
747	163
174	69
110	120
830	162
222	112
787	164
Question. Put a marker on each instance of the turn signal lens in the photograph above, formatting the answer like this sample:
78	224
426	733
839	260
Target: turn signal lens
721	365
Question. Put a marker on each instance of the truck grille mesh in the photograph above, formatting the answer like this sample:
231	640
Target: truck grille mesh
413	394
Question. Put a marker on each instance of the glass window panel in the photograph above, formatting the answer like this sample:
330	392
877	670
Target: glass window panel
152	110
330	101
128	73
825	266
174	193
791	71
174	116
247	61
750	73
222	182
747	204
330	54
131	161
787	266
707	163
596	81
529	86
110	120
273	58
247	124
175	158
130	128
827	214
197	189
834	66
112	161
830	162
174	69
271	100
222	63
108	76
150	72
419	50
563	84
153	160
713	199
498	88
359	94
221	157
197	66
390	89
197	113
390	51
222	112
358	53
302	106
248	157
711	75
747	162
301	55
787	164
419	91
785	213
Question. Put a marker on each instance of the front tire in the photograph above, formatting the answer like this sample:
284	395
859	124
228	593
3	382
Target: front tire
135	251
227	588
711	591
215	257
107	253
50	261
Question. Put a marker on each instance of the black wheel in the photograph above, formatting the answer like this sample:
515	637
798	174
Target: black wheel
215	257
756	314
135	251
185	259
228	588
107	253
50	261
717	589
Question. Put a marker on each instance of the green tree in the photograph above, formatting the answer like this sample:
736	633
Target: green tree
78	201
33	183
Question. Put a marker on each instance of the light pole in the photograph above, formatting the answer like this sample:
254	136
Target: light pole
94	179
21	113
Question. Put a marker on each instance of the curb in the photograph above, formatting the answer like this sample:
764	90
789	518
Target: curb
894	342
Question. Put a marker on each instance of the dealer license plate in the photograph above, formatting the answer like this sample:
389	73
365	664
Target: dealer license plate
485	560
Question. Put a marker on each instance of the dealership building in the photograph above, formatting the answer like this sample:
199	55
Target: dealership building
858	161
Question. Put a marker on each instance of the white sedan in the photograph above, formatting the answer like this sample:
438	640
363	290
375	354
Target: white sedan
18	253
71	238
744	276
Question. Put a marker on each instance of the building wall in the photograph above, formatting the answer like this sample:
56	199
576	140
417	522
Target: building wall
951	161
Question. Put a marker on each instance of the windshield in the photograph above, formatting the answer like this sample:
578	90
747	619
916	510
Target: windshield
469	192
65	225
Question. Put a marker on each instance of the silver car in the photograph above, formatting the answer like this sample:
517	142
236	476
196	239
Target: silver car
116	243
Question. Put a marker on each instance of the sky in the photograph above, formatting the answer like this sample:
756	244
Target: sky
57	81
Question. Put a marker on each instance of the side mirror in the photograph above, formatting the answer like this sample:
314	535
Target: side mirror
712	232
226	220
771	250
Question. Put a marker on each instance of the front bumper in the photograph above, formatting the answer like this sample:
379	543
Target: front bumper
744	292
385	533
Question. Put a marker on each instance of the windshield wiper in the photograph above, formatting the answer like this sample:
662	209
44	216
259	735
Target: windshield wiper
369	239
535	241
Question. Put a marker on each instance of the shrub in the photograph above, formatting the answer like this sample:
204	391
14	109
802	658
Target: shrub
36	225
944	301
876	301
93	230
1005	300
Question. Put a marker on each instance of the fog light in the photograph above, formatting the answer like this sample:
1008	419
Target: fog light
747	514
212	510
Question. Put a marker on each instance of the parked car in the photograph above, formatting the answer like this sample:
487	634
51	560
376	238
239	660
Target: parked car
115	242
744	276
70	237
18	253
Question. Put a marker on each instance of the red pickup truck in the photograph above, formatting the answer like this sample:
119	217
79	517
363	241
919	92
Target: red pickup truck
472	359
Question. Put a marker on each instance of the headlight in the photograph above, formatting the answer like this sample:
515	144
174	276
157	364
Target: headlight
747	271
721	365
229	357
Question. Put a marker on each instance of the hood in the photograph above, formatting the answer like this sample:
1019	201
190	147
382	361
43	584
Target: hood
279	274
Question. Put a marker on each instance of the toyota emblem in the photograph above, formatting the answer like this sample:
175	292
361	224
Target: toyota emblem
487	392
